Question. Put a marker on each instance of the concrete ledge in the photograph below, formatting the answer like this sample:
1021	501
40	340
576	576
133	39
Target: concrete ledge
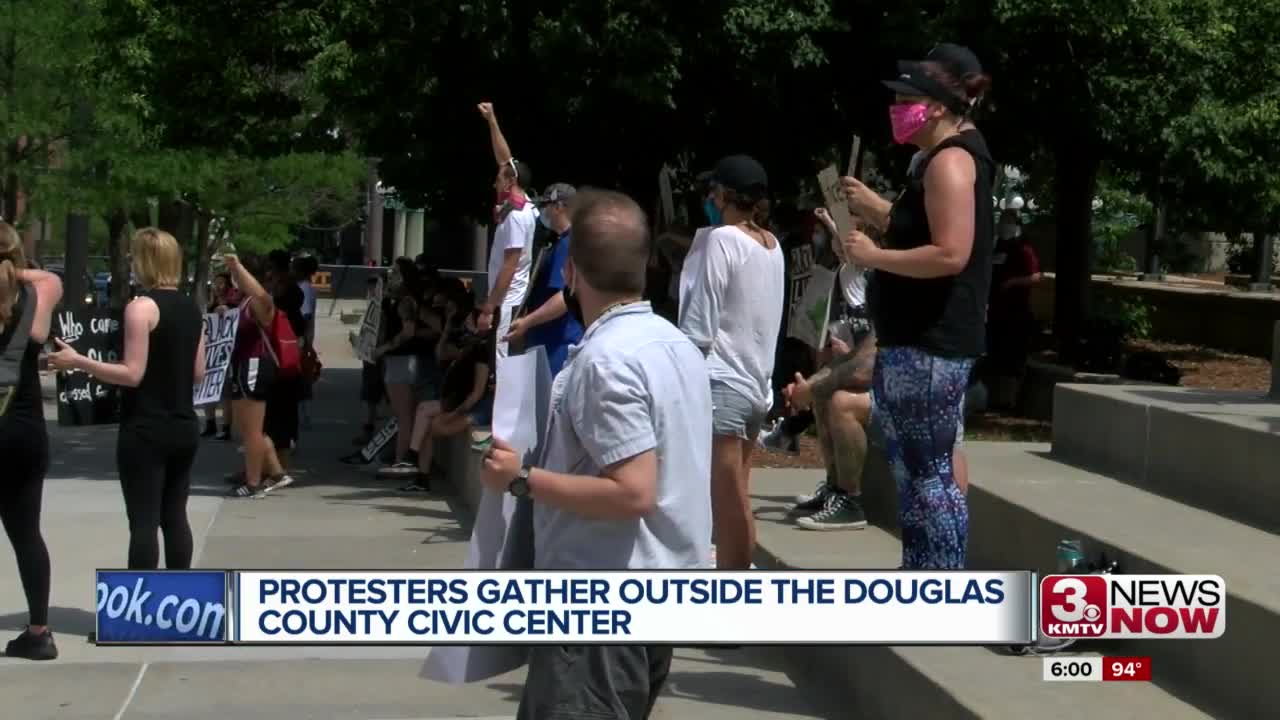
1219	450
926	682
1021	502
896	682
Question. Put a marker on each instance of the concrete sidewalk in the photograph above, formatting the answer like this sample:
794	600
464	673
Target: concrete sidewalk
336	516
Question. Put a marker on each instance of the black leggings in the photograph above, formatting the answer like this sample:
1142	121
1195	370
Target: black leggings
20	493
155	475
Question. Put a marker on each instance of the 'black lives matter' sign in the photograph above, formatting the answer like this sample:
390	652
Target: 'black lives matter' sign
82	398
219	342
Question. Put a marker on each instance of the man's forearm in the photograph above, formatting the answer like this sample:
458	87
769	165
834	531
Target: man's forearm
552	309
598	498
498	293
851	372
501	151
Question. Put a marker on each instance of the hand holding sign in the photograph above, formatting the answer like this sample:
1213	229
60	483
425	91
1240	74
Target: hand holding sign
65	357
501	465
860	249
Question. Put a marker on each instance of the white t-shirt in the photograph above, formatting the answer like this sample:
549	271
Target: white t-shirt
633	384
733	311
308	297
692	265
853	285
515	232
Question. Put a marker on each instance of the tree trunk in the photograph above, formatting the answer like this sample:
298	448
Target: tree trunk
118	258
203	250
76	263
1075	181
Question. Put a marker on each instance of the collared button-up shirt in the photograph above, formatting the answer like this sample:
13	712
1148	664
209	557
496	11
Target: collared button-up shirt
634	384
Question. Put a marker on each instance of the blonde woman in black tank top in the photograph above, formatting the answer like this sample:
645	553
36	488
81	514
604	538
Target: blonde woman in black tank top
24	440
159	431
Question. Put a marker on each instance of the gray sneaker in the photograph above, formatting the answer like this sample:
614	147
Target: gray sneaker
841	512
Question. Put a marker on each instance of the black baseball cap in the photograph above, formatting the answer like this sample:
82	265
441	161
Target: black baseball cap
740	173
958	61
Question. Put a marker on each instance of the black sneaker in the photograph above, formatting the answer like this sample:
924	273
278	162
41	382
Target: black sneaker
225	435
842	512
244	491
419	484
210	429
31	646
815	501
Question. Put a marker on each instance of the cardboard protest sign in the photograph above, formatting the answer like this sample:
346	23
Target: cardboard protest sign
370	326
811	311
855	154
388	432
82	398
219	342
835	200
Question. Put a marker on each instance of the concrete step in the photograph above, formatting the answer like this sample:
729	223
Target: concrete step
926	682
1219	450
1022	502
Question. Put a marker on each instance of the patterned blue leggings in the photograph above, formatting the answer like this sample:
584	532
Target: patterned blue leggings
920	405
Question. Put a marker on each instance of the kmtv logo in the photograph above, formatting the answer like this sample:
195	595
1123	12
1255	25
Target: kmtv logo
1133	606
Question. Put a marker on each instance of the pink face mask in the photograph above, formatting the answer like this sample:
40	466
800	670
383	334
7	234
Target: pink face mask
907	120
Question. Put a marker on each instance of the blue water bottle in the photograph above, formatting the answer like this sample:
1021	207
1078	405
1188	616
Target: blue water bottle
1070	556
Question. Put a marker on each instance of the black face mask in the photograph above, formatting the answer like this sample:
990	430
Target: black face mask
572	304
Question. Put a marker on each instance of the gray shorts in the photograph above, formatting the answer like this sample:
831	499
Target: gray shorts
590	682
401	370
733	413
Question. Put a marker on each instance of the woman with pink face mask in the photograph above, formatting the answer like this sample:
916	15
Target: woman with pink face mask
928	295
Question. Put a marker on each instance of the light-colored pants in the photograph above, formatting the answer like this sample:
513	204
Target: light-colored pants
504	326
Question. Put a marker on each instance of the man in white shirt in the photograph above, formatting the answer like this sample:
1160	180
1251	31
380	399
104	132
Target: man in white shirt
516	220
624	477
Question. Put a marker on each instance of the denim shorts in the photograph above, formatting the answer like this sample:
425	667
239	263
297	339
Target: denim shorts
733	413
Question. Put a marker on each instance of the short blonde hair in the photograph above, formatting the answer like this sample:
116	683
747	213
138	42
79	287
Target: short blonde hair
157	258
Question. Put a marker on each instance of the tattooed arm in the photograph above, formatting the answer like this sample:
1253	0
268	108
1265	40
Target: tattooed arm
851	372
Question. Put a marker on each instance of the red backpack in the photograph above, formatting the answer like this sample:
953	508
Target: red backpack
282	344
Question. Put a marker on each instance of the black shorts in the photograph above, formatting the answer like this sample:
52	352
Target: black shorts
252	379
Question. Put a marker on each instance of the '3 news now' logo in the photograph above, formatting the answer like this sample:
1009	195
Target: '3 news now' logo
1133	606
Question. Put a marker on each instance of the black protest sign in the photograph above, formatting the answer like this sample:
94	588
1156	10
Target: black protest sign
82	398
219	342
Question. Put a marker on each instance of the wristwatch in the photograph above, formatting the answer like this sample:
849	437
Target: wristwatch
519	487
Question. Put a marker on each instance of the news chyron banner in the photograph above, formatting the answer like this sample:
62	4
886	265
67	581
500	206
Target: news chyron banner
361	607
1174	607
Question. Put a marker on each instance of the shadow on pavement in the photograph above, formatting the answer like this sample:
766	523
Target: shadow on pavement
62	620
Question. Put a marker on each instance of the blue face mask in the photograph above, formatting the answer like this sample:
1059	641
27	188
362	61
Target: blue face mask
713	212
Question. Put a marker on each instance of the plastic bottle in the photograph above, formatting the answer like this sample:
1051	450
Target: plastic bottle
1070	556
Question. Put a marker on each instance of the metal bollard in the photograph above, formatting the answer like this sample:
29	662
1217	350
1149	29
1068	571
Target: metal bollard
1275	363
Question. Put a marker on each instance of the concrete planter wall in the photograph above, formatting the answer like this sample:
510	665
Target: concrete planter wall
1035	399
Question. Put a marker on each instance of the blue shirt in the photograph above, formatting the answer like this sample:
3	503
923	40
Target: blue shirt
564	331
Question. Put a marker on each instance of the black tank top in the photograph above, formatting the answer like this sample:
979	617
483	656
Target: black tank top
24	422
165	393
943	316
